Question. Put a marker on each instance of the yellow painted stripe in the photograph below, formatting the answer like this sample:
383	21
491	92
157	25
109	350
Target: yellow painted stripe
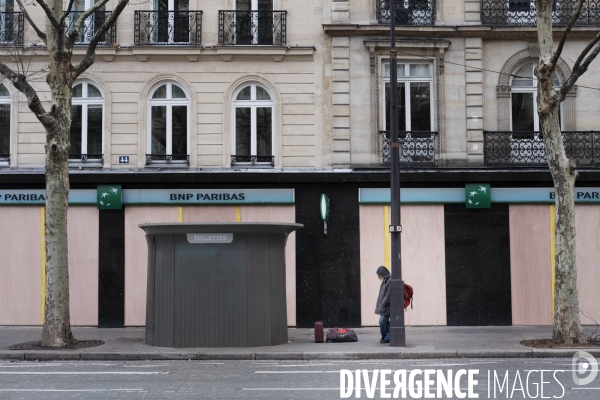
43	258
552	255
386	236
238	214
180	214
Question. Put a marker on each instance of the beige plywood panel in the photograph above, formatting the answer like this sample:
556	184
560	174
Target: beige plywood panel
587	242
371	221
83	231
136	258
530	264
424	263
20	266
279	214
209	214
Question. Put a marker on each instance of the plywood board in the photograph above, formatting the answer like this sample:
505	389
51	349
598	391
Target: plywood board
587	242
20	266
279	214
530	264
209	214
136	258
83	231
371	221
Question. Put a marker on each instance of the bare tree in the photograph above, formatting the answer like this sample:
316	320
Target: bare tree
567	327
59	42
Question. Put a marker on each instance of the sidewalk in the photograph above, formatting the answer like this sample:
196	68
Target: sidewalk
422	342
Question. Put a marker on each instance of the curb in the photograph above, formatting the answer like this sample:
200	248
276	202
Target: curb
298	356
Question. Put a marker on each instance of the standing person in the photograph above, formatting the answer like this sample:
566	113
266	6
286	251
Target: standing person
383	304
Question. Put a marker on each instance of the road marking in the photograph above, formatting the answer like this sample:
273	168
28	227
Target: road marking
453	365
31	366
71	390
82	373
576	388
296	372
272	389
295	365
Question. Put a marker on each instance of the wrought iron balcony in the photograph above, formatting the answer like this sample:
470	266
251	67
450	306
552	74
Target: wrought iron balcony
167	159
11	29
522	12
91	25
527	149
408	12
253	160
86	158
168	28
252	28
416	148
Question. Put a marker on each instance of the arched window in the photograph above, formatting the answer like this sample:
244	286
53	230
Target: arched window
524	116
169	120
253	126
86	134
5	102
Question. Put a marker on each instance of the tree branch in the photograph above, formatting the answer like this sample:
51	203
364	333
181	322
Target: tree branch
37	30
19	81
74	33
49	13
88	60
66	13
563	39
581	65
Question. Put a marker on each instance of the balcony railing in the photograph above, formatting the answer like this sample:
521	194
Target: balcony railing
408	12
86	158
181	159
91	25
168	28
253	160
11	29
526	149
416	148
252	28
522	12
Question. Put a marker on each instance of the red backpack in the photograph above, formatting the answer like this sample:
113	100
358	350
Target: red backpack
408	296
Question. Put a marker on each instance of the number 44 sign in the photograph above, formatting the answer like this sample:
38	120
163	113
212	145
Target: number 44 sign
123	159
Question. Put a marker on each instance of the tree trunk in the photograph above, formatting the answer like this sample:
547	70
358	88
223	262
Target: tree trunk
57	325
567	328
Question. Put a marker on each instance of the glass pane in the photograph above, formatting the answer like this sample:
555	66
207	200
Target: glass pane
264	130
177	92
160	93
4	128
401	107
78	91
523	77
4	91
75	131
243	5
78	5
162	5
401	70
265	5
420	106
93	91
182	5
179	129
522	112
242	132
556	81
158	141
94	129
244	94
420	70
262	94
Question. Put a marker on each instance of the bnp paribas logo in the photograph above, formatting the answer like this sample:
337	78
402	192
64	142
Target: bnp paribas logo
109	197
478	195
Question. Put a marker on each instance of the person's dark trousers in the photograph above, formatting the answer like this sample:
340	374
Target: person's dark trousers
384	327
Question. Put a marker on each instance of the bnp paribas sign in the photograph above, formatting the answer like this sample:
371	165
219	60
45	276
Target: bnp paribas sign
478	195
109	197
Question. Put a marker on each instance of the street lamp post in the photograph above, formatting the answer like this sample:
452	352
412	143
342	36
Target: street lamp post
397	330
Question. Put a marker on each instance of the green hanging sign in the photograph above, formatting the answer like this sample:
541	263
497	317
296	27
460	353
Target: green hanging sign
109	197
478	195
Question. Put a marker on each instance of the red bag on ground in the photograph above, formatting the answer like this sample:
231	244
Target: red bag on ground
408	296
338	335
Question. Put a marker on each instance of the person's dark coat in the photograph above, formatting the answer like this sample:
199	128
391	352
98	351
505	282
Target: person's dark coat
383	300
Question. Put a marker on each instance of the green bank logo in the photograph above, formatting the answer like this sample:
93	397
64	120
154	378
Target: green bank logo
109	197
478	195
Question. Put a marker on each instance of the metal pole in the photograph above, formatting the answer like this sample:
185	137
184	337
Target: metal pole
397	330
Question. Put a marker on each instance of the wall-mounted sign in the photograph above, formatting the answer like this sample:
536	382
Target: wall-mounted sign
478	195
210	237
109	197
37	197
123	159
324	208
208	196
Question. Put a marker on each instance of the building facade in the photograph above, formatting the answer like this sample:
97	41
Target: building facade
191	103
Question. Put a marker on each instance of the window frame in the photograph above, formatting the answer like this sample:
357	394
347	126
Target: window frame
8	100
168	102
86	101
171	34
407	81
253	105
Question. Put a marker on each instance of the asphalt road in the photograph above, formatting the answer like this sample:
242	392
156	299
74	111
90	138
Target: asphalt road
281	380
